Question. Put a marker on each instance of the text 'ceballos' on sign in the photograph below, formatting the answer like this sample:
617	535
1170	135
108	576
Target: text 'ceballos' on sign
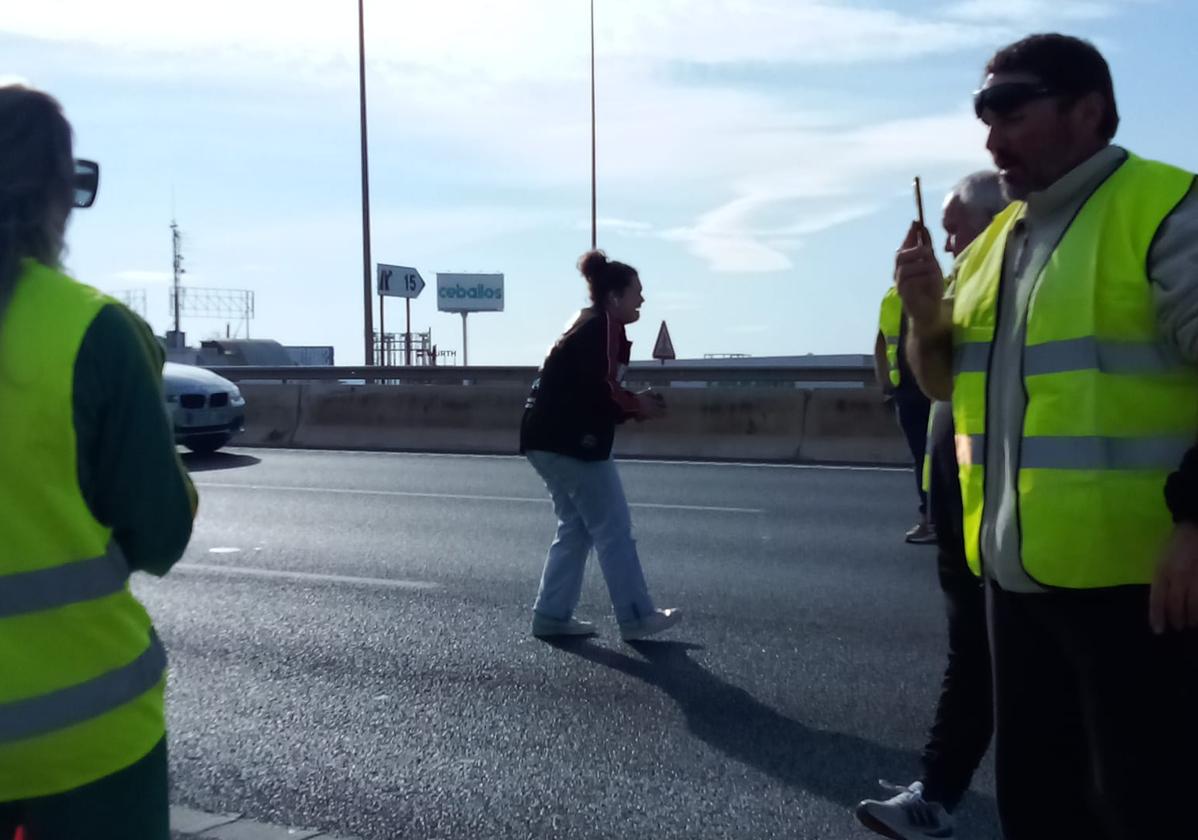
470	292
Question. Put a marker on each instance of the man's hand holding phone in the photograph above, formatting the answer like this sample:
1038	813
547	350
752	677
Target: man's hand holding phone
919	280
917	275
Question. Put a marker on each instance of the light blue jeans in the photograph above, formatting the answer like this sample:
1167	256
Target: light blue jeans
588	499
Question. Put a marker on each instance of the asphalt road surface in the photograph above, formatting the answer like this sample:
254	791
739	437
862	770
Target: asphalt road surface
349	647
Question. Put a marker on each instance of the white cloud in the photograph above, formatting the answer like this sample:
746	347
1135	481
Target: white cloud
675	302
768	173
729	241
502	86
795	31
1030	12
624	227
731	252
510	39
142	277
420	230
804	183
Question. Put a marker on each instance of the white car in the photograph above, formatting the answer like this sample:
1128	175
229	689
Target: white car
206	410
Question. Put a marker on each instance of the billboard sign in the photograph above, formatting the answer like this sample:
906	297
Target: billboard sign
469	292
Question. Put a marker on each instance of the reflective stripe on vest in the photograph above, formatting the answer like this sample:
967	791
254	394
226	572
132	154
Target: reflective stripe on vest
58	586
925	477
77	703
81	690
1086	453
1111	408
890	325
1077	354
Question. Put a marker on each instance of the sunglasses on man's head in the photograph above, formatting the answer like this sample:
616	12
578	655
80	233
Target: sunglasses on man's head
87	181
1009	96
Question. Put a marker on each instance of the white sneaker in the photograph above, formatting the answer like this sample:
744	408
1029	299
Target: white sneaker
924	533
544	626
652	624
906	815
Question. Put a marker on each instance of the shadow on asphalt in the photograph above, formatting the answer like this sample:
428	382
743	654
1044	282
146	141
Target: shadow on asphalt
841	768
203	462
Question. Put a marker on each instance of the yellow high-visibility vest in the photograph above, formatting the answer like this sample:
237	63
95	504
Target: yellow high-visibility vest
1111	407
890	325
81	671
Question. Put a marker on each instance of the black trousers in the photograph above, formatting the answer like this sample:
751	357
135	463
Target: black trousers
913	408
1097	718
964	720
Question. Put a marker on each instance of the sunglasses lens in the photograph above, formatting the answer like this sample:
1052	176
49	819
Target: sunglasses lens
1003	99
87	181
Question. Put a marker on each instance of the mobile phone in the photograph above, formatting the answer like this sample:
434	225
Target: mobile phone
919	202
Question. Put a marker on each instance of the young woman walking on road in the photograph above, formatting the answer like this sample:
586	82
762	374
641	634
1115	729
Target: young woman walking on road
566	434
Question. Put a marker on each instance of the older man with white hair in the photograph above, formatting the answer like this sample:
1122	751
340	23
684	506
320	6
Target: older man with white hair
963	725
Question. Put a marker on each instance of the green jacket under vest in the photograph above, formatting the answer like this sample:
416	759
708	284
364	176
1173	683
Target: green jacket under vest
90	488
1111	407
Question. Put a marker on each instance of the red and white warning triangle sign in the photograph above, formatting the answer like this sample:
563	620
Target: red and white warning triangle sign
664	348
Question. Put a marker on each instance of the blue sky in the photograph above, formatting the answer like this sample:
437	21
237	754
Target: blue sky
755	156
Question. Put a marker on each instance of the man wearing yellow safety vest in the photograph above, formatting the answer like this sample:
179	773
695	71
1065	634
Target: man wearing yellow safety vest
1070	352
91	489
963	723
911	405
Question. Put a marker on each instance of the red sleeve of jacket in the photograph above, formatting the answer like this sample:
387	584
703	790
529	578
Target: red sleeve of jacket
618	354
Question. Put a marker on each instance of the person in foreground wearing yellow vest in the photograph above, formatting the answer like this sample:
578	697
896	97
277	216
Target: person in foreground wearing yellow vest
91	489
910	403
1070	352
964	721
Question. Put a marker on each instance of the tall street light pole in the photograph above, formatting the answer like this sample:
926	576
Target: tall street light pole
367	304
594	218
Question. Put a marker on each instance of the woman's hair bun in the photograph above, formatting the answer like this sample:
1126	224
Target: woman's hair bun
592	264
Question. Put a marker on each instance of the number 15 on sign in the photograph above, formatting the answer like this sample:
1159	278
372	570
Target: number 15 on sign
399	281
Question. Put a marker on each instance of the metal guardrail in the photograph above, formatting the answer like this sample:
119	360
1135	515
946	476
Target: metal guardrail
660	376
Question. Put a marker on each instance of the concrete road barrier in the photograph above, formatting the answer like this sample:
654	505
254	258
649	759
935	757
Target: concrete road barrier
418	418
756	424
852	427
271	414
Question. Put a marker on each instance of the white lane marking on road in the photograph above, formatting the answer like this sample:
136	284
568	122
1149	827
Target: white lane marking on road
465	497
224	550
757	465
761	466
285	574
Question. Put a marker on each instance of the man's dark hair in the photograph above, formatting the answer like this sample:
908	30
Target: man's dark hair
1069	66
